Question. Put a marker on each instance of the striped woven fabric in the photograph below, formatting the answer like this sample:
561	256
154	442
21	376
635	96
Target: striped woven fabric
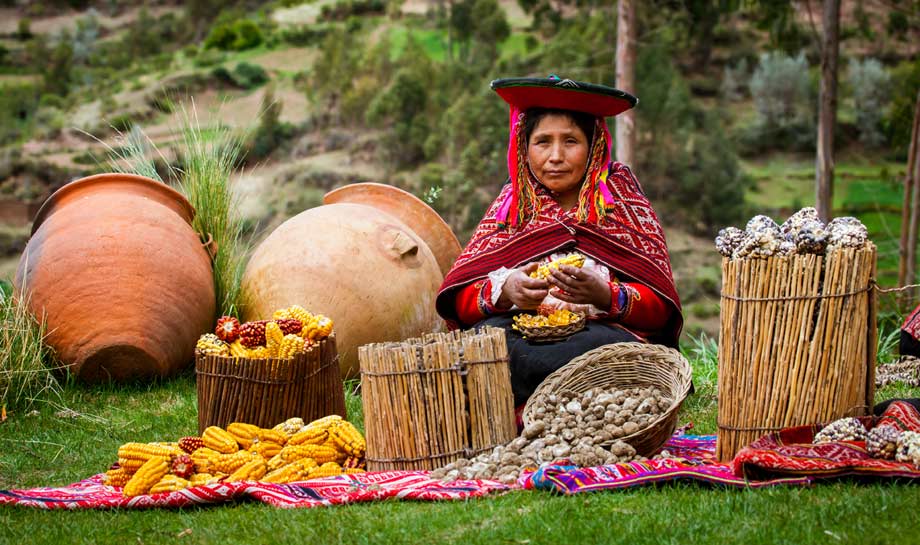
407	485
791	452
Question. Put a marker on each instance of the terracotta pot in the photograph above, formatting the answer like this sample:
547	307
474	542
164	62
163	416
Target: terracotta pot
363	266
424	221
122	278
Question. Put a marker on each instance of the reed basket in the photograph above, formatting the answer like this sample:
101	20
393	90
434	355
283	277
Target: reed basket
429	401
797	343
619	366
266	392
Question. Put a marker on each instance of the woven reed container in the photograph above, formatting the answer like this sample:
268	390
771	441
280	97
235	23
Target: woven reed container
797	343
266	392
429	401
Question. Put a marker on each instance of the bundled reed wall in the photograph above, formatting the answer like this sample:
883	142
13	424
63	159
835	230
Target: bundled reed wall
266	392
429	401
797	343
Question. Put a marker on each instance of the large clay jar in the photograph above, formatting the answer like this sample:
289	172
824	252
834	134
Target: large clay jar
122	278
365	259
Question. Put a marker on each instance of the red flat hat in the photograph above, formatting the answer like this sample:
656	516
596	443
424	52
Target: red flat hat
563	94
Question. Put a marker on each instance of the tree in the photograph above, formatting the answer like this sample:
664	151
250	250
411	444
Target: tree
625	74
827	110
910	211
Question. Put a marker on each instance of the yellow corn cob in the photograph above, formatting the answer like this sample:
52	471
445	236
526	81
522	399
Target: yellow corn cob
291	345
574	260
131	464
273	338
325	422
272	436
243	433
297	470
228	463
317	329
314	436
169	483
290	426
348	438
146	451
328	469
148	475
276	462
260	353
218	439
237	350
352	470
204	458
202	478
353	463
319	453
117	477
265	449
295	312
209	343
253	470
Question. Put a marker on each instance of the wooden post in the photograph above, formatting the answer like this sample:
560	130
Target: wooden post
625	79
908	213
827	111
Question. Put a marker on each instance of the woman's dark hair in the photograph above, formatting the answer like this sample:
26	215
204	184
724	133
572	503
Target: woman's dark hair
584	121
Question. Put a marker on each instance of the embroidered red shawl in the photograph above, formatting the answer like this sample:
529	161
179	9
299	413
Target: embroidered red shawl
628	239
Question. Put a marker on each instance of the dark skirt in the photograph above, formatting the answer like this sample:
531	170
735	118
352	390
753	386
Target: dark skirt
531	363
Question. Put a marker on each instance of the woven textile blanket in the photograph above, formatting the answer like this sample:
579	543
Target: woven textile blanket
692	458
407	485
791	452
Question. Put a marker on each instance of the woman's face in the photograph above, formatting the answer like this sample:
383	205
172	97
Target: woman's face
558	155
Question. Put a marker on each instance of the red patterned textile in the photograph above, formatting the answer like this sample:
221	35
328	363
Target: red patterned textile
912	324
630	242
791	451
406	485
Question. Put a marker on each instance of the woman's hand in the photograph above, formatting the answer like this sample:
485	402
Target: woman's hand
522	290
580	286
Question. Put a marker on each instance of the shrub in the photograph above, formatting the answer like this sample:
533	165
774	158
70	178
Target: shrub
870	86
234	36
248	35
249	76
898	121
271	132
781	89
24	29
733	88
222	37
18	104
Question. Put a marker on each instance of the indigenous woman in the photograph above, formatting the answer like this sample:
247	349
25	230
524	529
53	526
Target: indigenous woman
565	195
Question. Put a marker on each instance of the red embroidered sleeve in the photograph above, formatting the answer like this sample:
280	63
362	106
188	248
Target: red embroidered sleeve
636	306
474	302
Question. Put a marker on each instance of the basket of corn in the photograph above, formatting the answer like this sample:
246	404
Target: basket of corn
548	324
266	371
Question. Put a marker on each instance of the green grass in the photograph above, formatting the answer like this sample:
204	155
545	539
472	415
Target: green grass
64	442
26	363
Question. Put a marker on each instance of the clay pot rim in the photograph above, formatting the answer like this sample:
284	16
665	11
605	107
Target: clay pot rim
352	194
186	211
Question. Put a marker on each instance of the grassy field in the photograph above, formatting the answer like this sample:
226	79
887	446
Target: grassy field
77	435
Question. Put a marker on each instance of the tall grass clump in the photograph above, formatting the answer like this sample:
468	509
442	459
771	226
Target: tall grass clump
135	154
207	159
25	373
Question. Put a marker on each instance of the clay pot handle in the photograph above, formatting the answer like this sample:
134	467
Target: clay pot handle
210	246
404	245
